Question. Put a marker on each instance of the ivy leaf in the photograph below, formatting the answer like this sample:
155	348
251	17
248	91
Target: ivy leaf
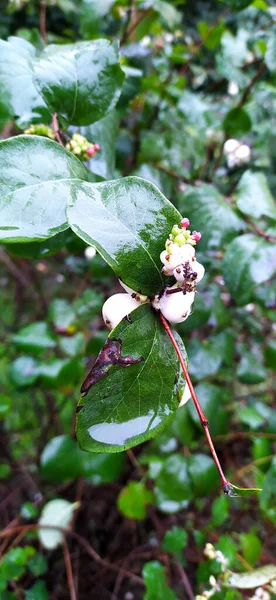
22	98
254	197
248	261
214	217
36	174
132	398
82	81
127	221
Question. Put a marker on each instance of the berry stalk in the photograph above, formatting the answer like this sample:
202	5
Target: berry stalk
203	419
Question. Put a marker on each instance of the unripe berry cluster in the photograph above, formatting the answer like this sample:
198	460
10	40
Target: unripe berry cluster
81	147
41	129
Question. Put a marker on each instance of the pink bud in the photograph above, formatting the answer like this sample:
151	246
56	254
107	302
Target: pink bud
97	147
184	223
90	151
196	236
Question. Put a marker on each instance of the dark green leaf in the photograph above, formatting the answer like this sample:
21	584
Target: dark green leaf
268	493
238	4
248	261
5	406
82	81
37	592
254	197
156	584
34	336
203	474
173	486
102	468
251	547
61	313
38	564
61	372
5	471
126	406
250	369
212	216
36	174
22	98
133	499
128	221
91	15
204	358
220	511
269	353
270	56
237	122
250	416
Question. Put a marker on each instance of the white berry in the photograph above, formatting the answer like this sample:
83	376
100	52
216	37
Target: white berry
117	307
176	307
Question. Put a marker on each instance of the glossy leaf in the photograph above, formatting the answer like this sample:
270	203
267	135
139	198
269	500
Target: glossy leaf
61	313
128	221
270	56
91	15
238	492
130	402
254	197
104	132
173	486
82	81
36	174
250	369
156	584
237	122
16	82
253	579
249	260
133	500
214	217
203	474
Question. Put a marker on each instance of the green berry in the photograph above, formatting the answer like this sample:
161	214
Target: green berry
179	239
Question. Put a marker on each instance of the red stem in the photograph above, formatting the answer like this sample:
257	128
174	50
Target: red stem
203	420
56	128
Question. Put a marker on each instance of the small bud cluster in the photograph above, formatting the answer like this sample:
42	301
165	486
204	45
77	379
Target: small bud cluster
81	147
41	129
211	553
180	262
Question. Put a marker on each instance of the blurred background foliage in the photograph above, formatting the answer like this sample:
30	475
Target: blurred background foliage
197	117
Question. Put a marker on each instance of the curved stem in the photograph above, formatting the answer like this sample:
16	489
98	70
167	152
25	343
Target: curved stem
203	419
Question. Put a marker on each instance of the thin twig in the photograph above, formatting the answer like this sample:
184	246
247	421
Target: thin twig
132	27
17	273
55	127
248	89
42	21
259	231
69	572
203	419
184	578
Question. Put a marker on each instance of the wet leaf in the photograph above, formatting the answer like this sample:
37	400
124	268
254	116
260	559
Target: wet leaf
57	512
254	197
253	579
133	499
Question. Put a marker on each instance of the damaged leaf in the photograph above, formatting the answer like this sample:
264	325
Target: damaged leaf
134	387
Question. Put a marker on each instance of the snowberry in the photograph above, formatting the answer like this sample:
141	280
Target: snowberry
176	306
136	295
186	396
198	268
117	307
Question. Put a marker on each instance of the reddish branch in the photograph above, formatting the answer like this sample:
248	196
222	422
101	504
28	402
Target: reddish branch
56	128
42	20
69	572
203	419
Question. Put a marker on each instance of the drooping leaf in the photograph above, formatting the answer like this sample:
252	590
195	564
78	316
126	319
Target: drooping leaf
133	499
82	81
253	579
249	260
127	221
22	100
254	197
36	174
133	393
214	217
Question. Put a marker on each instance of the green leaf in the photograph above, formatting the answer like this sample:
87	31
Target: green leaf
220	511
238	492
251	547
72	345
237	122
212	216
5	406
175	539
127	221
156	584
36	174
91	15
238	4
57	513
104	132
38	564
203	474
268	493
254	197
250	369
248	261
16	82
34	336
59	372
270	55
204	358
173	486
82	81
5	471
126	406
24	371
269	353
253	579
133	499
61	313
38	591
102	468
170	16
250	416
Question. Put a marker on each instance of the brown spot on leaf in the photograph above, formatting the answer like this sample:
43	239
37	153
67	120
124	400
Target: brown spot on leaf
109	356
